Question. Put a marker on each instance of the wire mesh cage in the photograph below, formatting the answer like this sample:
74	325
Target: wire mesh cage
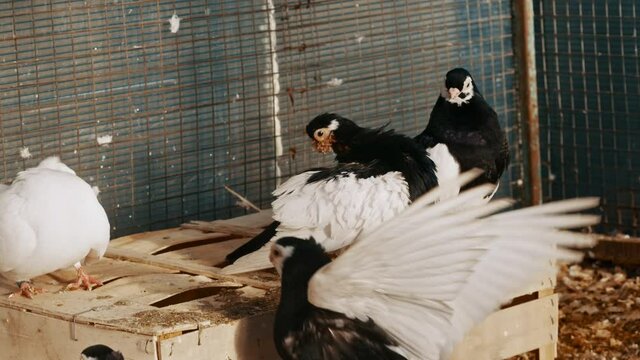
162	103
589	79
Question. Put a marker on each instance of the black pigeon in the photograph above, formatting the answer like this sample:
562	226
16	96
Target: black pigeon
390	165
101	352
463	121
390	296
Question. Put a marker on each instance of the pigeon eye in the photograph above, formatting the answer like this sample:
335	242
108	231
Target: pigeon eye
276	253
320	133
462	95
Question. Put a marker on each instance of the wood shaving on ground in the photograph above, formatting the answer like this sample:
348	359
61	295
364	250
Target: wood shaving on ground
599	312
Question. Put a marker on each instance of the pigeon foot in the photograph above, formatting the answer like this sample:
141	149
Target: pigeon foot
84	281
27	290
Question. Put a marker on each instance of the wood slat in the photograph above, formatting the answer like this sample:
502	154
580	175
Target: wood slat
207	255
26	335
188	267
106	270
512	331
116	304
222	227
247	339
621	250
154	241
256	220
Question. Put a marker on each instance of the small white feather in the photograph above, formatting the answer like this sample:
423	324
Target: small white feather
174	23
104	139
25	153
335	82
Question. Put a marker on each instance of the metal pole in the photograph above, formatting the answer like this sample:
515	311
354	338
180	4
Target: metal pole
528	91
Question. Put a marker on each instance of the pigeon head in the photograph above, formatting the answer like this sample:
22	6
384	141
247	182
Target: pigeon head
100	352
458	87
297	257
331	132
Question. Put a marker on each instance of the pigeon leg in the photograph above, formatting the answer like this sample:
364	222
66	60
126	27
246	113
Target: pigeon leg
27	290
84	280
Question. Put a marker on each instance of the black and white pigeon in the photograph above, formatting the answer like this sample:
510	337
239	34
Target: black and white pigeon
463	121
100	352
412	287
379	172
352	143
50	219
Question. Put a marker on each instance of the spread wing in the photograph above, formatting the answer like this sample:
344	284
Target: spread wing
432	272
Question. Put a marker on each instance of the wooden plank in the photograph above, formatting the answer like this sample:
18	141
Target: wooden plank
246	339
544	280
26	335
222	227
154	241
550	350
261	219
121	299
209	255
106	270
512	331
188	267
622	250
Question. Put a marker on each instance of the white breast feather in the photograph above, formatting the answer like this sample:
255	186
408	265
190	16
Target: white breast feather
49	219
334	212
432	272
447	170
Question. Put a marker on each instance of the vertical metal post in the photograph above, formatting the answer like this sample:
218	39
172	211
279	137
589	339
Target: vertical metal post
528	93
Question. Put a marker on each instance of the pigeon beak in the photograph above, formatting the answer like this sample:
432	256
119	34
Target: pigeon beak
323	140
323	147
453	93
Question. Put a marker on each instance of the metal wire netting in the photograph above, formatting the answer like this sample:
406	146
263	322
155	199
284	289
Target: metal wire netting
161	121
589	85
384	61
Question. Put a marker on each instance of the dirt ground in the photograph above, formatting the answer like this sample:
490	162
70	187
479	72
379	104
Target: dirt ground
599	312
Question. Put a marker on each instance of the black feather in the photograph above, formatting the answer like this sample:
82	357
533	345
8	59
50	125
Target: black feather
382	149
304	331
471	132
102	352
254	244
364	153
360	171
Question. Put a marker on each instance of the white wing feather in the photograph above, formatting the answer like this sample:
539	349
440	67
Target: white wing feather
333	212
432	272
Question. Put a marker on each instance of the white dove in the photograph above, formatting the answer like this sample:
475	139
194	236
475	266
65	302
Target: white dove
50	219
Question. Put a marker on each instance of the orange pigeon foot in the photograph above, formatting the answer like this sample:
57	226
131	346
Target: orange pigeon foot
27	290
84	281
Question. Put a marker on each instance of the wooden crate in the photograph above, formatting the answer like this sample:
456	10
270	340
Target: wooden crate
164	299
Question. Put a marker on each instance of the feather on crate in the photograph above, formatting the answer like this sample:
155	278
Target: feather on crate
163	298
